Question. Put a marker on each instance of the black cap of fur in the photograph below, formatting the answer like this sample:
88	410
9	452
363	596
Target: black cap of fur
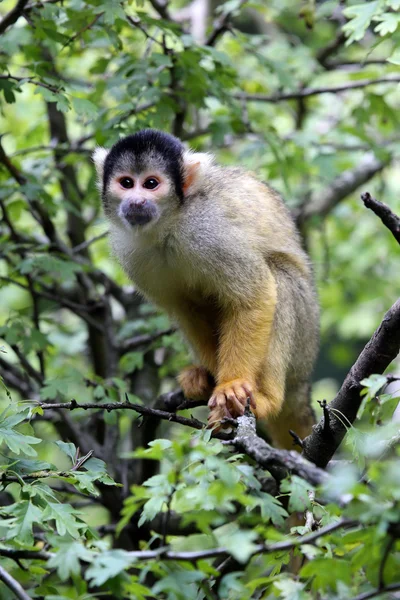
140	144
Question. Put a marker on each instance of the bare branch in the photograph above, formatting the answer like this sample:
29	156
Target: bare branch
81	31
388	218
33	81
381	350
161	6
282	546
15	379
346	183
15	554
222	24
324	53
307	92
392	587
142	410
88	243
143	340
13	15
266	456
13	585
193	556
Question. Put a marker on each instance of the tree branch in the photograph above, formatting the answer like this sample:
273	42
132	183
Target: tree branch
196	555
266	456
33	81
307	92
16	554
14	378
145	339
346	183
142	410
388	218
282	546
222	24
324	53
13	585
161	6
381	350
13	15
392	587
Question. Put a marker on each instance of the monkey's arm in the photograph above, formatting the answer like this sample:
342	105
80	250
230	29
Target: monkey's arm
197	381
199	333
245	331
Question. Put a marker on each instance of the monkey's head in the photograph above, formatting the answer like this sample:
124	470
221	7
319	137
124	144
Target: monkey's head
147	175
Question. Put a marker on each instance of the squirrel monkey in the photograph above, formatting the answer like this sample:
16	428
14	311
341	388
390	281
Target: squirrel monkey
219	252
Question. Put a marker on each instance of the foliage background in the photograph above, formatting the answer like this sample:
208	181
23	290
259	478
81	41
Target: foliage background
251	83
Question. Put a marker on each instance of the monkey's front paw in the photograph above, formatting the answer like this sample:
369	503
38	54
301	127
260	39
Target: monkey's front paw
229	399
196	383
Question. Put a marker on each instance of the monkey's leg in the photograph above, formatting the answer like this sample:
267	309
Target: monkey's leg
297	415
196	382
244	339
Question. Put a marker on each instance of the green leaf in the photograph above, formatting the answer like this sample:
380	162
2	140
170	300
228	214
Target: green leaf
9	88
298	488
291	590
327	572
17	442
394	58
239	542
85	107
271	508
68	556
23	515
23	467
68	448
132	361
360	17
60	269
108	565
388	23
65	518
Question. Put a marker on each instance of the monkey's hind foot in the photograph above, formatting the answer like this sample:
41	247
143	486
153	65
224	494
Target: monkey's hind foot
196	383
229	400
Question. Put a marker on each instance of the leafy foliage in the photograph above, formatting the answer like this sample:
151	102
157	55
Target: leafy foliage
110	500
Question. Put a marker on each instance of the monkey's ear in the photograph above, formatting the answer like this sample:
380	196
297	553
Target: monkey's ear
195	168
99	156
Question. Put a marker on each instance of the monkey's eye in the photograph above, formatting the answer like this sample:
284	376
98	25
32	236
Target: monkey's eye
151	183
126	182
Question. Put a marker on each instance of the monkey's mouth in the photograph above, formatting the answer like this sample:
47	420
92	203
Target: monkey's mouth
137	214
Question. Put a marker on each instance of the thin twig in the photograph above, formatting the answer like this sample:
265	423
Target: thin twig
307	92
145	339
282	546
392	587
388	218
81	31
110	406
88	243
222	24
33	81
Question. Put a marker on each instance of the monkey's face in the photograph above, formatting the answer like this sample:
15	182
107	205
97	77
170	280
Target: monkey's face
147	176
138	198
141	177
